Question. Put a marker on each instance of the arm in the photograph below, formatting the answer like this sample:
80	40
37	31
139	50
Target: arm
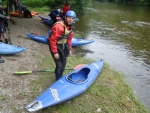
57	31
4	17
69	42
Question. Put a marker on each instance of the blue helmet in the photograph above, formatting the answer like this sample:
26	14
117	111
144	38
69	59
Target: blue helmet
71	13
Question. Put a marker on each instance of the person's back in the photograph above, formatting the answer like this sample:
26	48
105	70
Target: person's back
55	14
27	13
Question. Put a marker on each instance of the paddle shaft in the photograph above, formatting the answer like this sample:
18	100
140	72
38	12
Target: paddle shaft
47	70
29	72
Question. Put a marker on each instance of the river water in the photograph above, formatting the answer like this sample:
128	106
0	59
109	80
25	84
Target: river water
122	39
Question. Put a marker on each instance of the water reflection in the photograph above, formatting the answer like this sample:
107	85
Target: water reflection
121	34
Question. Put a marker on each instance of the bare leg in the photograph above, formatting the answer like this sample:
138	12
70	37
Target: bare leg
5	37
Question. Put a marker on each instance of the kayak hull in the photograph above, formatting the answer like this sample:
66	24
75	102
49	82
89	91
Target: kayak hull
80	42
6	49
43	39
79	80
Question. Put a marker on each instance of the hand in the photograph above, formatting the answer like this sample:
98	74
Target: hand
56	56
70	53
7	17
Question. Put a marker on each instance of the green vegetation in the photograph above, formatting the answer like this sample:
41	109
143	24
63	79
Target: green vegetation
3	98
47	5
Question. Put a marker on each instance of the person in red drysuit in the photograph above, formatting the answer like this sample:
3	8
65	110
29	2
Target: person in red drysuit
60	38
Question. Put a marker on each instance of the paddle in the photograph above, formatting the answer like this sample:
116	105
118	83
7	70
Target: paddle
47	70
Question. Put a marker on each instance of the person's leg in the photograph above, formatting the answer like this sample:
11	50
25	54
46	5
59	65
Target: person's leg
58	69
29	15
5	37
1	33
0	39
65	54
16	6
63	66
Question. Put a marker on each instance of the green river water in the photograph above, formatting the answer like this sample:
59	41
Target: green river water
122	39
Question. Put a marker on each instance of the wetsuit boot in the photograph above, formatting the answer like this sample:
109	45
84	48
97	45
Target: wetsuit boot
6	41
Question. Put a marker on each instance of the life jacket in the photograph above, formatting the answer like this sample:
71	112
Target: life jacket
64	36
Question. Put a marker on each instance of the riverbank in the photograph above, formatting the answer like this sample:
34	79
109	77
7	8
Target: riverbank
109	93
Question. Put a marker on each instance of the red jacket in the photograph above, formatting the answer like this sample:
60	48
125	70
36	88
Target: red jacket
65	9
57	31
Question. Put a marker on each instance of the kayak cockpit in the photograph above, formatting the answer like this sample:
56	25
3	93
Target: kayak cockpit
79	77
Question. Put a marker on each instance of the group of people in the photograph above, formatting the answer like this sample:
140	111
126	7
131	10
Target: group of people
60	38
4	19
18	7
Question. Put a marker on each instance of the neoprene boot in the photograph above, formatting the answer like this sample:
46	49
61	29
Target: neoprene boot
6	41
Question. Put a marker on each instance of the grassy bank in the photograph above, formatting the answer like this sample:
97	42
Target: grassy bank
108	94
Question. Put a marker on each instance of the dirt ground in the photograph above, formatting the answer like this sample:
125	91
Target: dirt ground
12	87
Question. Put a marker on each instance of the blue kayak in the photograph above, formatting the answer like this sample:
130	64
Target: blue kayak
48	22
79	80
6	49
43	39
43	18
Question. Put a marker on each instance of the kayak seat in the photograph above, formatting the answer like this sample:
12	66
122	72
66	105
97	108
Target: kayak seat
80	76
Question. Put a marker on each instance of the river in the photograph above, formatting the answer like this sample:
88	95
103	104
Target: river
122	39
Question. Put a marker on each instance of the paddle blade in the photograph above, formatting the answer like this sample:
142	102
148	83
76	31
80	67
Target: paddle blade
79	66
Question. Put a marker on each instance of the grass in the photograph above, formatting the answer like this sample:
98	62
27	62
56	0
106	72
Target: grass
108	94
